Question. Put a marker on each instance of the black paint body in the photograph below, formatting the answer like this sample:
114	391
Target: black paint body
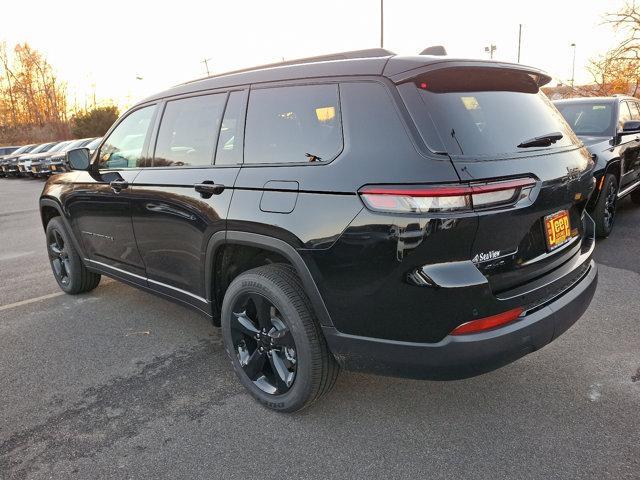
161	235
617	152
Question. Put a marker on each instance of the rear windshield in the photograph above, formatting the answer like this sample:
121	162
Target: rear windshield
595	119
486	111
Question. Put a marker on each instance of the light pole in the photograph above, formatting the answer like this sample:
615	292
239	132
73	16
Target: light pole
519	41
381	23
573	68
490	49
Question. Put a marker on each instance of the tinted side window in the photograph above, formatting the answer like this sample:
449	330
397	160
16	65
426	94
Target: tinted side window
123	147
188	131
293	124
624	114
635	111
229	151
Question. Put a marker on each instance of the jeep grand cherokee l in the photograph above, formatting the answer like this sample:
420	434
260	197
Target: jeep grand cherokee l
610	128
415	216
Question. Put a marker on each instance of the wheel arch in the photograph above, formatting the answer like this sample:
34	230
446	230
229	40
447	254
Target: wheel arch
614	167
49	209
213	272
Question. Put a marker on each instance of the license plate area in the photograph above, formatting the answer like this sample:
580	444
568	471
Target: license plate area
557	229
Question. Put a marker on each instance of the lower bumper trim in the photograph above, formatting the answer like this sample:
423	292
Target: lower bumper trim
464	356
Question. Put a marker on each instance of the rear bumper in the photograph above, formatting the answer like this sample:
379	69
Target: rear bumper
457	357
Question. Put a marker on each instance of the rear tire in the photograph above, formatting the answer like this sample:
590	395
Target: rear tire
605	209
311	370
67	266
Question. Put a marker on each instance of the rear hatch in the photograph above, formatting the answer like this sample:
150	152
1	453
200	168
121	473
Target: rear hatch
495	124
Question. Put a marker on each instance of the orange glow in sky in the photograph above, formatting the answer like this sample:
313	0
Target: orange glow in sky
126	50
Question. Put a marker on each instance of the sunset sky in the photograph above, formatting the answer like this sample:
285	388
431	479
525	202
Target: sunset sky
110	44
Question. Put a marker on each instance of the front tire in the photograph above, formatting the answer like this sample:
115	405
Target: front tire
69	271
605	209
273	339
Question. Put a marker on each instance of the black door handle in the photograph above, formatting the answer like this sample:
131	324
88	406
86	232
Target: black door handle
207	188
117	185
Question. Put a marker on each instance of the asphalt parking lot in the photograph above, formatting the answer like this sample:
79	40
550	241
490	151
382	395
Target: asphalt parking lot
120	384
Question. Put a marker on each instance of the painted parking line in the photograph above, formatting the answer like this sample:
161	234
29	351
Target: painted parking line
30	300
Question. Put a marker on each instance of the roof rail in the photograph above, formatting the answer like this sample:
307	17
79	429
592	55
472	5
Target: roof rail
366	53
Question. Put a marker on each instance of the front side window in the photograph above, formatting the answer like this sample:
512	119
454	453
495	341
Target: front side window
635	110
188	131
293	125
123	147
624	115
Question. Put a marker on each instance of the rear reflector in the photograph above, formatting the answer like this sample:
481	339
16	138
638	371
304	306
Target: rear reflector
488	323
445	198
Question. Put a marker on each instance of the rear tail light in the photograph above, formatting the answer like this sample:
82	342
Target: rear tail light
488	323
445	198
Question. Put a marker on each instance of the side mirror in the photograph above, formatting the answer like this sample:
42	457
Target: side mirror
631	126
78	159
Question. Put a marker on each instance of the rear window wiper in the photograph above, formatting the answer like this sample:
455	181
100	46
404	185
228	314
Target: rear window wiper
541	141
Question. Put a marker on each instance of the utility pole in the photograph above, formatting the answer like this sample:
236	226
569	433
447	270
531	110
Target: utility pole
381	23
519	41
573	68
206	65
490	49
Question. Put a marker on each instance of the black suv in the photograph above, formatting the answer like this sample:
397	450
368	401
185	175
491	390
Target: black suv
610	128
415	216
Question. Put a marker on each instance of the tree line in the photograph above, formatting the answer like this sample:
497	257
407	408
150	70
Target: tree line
617	71
33	102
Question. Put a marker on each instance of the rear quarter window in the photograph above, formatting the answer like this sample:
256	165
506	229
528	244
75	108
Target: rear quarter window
293	124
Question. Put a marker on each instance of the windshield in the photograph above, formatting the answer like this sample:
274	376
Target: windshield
23	149
591	119
480	111
74	144
42	148
94	143
60	146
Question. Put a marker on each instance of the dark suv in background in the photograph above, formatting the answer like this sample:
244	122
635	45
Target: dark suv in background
415	216
610	128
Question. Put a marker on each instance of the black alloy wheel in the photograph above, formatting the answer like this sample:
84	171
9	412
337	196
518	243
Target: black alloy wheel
611	201
273	339
605	208
59	257
263	344
68	269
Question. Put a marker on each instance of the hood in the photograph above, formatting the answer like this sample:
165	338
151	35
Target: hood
596	144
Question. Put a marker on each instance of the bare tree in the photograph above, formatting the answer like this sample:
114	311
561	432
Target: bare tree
31	96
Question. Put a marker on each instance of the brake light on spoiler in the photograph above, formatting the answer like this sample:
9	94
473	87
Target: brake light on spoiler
446	198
